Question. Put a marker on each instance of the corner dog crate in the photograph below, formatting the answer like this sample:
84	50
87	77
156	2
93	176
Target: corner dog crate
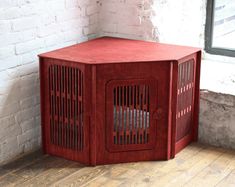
113	100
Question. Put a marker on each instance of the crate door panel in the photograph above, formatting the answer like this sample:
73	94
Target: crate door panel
185	99
129	108
66	111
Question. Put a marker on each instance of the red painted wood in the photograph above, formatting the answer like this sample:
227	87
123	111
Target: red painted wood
99	69
115	50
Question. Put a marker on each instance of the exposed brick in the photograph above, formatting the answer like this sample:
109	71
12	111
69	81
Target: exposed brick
29	46
92	9
5	26
7	51
25	23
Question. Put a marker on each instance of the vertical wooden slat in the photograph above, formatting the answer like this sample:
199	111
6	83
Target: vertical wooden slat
82	136
70	107
146	113
59	105
54	105
133	114
80	101
136	107
119	114
149	113
63	106
115	115
51	103
127	115
138	115
143	113
122	115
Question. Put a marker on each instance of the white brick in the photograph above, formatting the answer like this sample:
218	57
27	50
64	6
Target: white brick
27	125
67	15
8	3
17	37
25	115
6	122
9	38
27	136
27	35
7	110
71	3
93	19
109	7
29	90
8	74
28	69
126	29
32	144
25	23
53	40
47	18
92	9
26	103
10	62
55	5
10	13
37	99
31	9
47	30
29	46
9	144
109	27
5	26
29	57
9	132
72	35
92	29
26	2
7	51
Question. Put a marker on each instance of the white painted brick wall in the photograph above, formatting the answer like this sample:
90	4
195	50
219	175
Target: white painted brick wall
178	22
127	18
27	28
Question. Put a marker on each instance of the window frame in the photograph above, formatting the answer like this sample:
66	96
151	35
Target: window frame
209	33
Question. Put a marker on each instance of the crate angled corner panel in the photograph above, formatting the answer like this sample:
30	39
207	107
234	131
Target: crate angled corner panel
112	100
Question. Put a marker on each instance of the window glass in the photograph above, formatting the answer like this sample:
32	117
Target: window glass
224	24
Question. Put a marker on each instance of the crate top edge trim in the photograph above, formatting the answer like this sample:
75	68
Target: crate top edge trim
107	50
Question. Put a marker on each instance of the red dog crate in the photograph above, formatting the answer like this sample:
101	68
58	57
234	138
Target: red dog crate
113	100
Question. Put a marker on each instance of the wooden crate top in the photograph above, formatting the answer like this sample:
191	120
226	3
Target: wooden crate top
117	50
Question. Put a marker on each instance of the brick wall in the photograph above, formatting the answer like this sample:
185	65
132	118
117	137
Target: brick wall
27	28
178	22
128	19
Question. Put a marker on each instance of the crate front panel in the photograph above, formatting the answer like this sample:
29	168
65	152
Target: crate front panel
64	125
114	146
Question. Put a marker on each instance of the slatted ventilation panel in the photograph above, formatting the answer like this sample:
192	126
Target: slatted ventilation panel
66	107
185	98
131	114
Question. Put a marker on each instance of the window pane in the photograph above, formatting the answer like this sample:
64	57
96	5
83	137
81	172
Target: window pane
224	24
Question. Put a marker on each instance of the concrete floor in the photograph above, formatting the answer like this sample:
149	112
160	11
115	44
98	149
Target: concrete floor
197	165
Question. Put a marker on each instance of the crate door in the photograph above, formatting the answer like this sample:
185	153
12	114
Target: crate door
129	121
185	99
65	123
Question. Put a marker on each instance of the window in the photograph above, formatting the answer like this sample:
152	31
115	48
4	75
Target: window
220	27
